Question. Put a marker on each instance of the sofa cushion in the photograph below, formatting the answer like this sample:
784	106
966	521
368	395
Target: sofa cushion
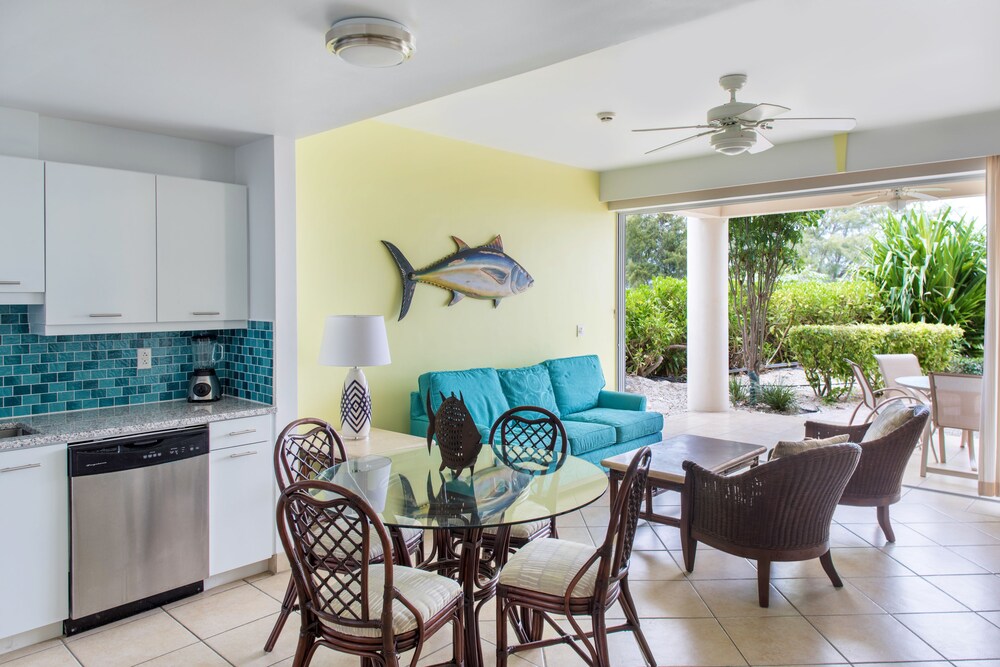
628	424
528	386
576	382
584	437
480	387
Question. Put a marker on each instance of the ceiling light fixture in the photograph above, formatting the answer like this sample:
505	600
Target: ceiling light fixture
370	42
734	140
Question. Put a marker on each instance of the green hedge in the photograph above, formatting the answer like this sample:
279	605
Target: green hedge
822	349
655	319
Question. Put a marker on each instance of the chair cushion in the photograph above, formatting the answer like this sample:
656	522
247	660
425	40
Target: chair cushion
576	382
479	387
628	424
584	437
891	417
549	566
788	447
522	530
428	592
528	386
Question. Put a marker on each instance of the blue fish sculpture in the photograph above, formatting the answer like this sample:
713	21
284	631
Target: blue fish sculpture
484	272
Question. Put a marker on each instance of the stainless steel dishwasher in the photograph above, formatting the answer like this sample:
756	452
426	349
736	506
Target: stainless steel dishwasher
138	524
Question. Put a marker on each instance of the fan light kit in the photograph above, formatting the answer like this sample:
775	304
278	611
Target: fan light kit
735	127
370	42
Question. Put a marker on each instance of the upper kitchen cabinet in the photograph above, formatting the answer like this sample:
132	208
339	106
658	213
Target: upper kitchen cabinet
100	248
22	228
201	252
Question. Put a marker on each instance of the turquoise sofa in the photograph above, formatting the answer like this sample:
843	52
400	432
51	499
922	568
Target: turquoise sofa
599	423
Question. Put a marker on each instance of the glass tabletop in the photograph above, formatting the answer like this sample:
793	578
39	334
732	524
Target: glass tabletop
407	489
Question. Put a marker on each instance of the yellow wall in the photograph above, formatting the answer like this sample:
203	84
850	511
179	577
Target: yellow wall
371	181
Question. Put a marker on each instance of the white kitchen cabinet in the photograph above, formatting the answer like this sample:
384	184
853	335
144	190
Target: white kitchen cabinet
100	247
22	228
201	251
34	526
241	503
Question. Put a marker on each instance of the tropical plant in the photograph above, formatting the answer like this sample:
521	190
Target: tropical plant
655	320
779	397
931	268
655	245
739	393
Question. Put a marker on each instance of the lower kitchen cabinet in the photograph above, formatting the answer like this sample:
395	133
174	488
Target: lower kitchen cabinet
241	506
34	556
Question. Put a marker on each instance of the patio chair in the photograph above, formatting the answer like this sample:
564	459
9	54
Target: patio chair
878	480
956	402
348	602
874	399
894	366
571	579
778	511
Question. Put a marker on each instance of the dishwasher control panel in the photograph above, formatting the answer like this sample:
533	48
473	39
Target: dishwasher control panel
139	451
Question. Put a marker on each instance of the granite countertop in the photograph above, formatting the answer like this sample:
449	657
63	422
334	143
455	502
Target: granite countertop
113	422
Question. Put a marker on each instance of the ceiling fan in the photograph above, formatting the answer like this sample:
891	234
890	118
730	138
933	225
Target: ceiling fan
735	127
898	198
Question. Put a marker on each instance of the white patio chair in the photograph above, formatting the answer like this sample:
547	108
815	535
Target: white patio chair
956	402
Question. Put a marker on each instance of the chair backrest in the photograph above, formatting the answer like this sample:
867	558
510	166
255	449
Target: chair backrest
530	438
304	449
867	393
896	366
956	400
327	532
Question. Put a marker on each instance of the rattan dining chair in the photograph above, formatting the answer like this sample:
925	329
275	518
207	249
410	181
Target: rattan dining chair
348	602
304	449
956	402
874	399
571	579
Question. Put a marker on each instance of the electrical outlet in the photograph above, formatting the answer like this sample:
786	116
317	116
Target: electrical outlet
144	359
579	330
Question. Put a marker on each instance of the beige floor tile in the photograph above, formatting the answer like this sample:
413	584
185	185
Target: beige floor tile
843	537
667	599
927	561
225	611
780	640
914	513
851	514
132	643
274	585
978	592
244	645
733	598
10	656
818	597
571	519
669	536
109	626
653	566
645	538
54	656
206	594
712	564
196	655
976	663
939	663
905	536
852	562
596	516
873	639
986	557
985	507
901	595
964	636
954	534
991	616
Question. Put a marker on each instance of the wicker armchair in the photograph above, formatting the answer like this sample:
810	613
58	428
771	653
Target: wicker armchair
778	511
877	481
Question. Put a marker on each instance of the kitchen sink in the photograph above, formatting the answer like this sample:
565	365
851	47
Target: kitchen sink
14	430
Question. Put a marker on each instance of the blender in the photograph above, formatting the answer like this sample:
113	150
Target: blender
203	383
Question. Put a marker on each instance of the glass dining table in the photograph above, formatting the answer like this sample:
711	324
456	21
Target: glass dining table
408	489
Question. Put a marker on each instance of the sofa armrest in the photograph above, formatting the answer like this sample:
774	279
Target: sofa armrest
619	400
824	430
417	409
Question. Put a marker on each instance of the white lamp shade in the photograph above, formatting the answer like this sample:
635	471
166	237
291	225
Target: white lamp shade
354	340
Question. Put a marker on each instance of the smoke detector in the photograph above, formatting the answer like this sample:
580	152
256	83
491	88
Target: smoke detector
605	116
370	42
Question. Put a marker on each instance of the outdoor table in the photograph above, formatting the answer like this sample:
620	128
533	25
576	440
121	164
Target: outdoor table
918	382
409	490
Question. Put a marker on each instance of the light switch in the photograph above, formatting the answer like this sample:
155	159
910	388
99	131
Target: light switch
579	330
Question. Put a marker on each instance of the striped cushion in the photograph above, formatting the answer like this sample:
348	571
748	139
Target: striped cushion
429	593
522	530
549	566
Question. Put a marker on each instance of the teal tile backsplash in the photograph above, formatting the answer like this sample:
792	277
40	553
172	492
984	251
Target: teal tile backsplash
40	374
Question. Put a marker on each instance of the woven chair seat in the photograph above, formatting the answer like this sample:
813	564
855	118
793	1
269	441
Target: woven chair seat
522	530
428	592
549	566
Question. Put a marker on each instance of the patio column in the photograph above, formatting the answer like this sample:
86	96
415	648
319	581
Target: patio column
708	314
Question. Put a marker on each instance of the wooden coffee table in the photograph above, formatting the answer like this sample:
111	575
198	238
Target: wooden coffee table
667	474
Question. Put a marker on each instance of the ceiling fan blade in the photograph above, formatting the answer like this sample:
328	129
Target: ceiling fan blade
678	127
761	111
913	194
761	145
825	124
929	189
685	140
865	200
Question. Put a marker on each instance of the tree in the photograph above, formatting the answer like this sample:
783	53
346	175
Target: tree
835	248
655	245
761	248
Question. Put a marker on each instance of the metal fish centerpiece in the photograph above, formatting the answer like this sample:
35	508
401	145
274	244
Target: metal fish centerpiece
484	272
455	432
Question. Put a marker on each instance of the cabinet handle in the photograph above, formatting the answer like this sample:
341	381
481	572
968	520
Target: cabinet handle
105	314
206	312
243	432
241	455
24	467
10	282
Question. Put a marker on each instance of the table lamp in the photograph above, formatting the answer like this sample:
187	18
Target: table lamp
352	341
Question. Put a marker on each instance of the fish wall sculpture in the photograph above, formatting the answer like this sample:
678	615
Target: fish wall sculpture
484	272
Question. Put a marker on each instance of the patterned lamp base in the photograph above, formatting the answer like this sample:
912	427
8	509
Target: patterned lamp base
355	406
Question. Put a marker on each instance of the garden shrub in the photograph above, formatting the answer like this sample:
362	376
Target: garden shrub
655	319
822	349
966	365
779	397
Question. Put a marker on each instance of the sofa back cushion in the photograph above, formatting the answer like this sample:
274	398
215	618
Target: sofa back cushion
480	387
528	386
576	382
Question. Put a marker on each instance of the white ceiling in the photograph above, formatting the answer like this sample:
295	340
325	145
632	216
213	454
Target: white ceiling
231	70
887	63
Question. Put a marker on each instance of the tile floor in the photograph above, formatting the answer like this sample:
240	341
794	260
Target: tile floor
931	598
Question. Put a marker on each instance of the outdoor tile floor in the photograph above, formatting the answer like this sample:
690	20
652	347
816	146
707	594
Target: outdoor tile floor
933	598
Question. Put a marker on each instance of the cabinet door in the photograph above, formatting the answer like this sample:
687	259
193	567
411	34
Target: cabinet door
22	225
34	525
241	507
201	248
100	245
